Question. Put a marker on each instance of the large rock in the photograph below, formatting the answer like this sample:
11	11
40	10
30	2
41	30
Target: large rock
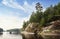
32	27
31	31
52	31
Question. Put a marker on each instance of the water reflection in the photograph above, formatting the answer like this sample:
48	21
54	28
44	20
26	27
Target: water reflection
34	36
52	37
6	35
1	34
31	36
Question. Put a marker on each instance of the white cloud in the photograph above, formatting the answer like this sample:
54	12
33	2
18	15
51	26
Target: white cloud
8	22
13	4
26	6
29	8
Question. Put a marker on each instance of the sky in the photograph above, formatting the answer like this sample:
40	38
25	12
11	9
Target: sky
14	12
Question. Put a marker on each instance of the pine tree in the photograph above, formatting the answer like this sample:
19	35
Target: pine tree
38	7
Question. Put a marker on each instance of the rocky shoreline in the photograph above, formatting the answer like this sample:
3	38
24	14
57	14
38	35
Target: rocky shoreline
51	31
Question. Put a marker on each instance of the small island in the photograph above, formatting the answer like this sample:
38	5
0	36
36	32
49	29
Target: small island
13	31
1	31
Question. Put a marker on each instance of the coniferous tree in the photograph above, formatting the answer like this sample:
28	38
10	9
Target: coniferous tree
36	16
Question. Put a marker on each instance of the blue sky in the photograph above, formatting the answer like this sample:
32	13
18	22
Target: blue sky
14	12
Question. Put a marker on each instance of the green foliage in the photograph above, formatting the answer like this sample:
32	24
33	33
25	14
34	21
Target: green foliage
57	9
42	21
48	14
35	17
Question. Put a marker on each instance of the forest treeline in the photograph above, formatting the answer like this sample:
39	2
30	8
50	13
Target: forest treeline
43	18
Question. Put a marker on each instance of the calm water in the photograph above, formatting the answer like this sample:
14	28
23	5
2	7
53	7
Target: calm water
6	35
